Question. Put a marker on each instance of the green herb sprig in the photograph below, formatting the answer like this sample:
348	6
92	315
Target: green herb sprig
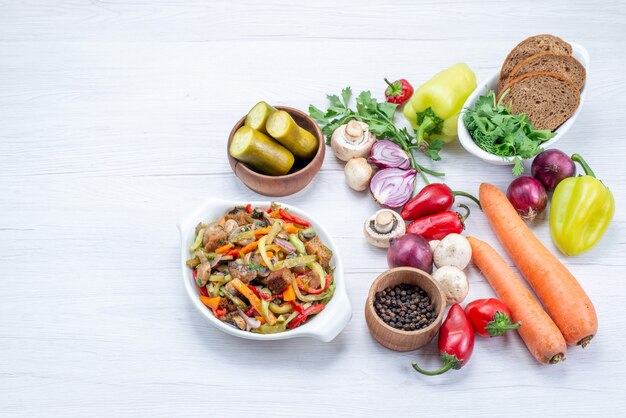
495	130
379	118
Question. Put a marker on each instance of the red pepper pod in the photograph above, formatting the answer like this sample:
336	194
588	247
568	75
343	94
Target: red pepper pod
291	218
456	342
490	317
398	92
433	198
439	225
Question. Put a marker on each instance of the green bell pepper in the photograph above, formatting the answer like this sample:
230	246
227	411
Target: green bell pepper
581	210
434	108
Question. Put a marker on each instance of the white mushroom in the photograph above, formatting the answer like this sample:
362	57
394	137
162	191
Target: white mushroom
358	174
382	226
352	140
453	250
453	282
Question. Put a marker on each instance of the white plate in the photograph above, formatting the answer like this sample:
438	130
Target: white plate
325	326
578	52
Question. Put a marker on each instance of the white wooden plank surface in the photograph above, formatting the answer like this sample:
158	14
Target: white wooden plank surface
113	122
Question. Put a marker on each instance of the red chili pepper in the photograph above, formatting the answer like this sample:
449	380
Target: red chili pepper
250	311
254	290
249	208
269	210
490	317
234	253
301	318
220	312
456	342
311	291
297	307
433	198
203	291
398	92
439	225
290	218
195	273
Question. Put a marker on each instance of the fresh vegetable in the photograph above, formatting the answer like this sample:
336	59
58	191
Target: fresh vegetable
398	92
352	140
456	342
490	317
453	250
281	126
288	294
313	291
453	282
387	154
257	116
212	303
550	167
261	152
434	108
433	244
439	225
581	211
433	198
358	174
254	300
384	225
495	130
528	197
302	317
410	250
563	297
377	115
540	334
392	187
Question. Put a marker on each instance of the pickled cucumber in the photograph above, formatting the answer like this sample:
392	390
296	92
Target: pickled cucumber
261	152
281	126
257	116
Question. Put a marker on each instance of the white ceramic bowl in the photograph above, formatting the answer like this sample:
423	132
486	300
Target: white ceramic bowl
578	52
325	326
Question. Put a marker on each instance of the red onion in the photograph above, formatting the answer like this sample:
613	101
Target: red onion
392	187
552	166
386	154
285	245
410	250
528	197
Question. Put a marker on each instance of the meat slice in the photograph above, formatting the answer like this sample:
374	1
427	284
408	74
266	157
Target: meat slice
278	280
316	247
238	214
227	304
214	237
241	272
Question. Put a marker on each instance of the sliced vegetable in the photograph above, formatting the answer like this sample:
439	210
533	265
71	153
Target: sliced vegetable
292	262
392	187
289	294
297	243
211	303
250	247
198	241
387	154
301	318
291	218
224	248
254	301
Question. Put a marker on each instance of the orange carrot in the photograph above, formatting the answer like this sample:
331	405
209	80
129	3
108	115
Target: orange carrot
254	300
250	247
290	228
263	231
212	303
224	248
540	334
289	294
563	297
260	319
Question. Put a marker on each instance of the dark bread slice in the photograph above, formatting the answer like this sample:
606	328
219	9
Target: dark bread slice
547	99
564	65
531	46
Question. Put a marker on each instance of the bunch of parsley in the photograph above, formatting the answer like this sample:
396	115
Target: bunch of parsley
495	130
379	118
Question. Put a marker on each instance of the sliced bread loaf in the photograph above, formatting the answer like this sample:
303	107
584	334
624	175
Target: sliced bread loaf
547	99
531	46
566	66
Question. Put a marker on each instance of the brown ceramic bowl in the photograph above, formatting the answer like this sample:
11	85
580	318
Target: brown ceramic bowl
302	171
400	340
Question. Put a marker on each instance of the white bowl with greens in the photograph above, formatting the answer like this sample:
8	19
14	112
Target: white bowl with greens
578	52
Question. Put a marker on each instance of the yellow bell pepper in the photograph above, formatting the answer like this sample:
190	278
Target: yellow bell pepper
581	210
444	95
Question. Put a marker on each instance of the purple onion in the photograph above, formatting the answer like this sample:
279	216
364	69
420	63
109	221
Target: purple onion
386	154
410	250
392	187
285	245
551	167
528	197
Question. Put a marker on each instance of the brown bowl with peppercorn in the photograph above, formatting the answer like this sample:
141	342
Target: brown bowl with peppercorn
404	308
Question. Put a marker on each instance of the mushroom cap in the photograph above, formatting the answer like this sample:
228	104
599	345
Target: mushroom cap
381	239
358	173
347	147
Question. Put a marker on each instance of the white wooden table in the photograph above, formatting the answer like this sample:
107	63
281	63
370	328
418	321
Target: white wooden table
113	122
